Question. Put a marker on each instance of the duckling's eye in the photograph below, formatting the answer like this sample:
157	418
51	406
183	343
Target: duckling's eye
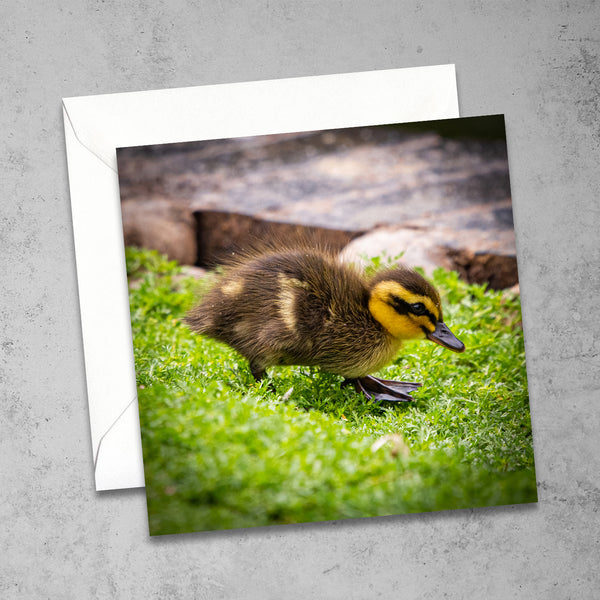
418	308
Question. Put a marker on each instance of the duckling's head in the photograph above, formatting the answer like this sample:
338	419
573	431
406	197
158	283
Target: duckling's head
409	307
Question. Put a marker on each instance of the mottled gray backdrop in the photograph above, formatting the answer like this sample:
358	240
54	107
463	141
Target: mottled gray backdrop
536	62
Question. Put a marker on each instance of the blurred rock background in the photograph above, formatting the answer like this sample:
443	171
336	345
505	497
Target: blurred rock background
437	192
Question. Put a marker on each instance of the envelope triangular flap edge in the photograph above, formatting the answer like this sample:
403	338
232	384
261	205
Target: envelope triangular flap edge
103	293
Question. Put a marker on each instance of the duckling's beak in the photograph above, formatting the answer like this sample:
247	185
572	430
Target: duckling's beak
444	337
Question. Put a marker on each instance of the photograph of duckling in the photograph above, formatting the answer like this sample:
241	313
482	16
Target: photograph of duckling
327	325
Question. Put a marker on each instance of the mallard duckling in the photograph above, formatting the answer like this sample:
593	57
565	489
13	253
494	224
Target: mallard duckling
303	307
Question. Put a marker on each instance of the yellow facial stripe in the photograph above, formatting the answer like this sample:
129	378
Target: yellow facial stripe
414	298
403	326
387	288
399	326
423	321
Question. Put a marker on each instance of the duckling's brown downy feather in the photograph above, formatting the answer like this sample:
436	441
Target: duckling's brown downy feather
296	307
300	306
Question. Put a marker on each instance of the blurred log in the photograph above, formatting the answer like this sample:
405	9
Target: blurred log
162	225
222	233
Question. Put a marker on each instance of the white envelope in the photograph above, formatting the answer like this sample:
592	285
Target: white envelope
96	125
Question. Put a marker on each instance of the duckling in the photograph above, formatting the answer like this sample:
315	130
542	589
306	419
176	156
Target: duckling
301	306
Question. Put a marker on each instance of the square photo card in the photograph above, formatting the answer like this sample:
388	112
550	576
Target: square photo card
326	325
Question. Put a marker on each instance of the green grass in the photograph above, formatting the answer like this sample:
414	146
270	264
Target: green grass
221	451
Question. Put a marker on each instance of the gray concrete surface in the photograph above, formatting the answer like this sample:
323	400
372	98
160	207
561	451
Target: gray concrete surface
536	62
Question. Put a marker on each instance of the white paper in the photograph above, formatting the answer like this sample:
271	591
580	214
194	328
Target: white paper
96	125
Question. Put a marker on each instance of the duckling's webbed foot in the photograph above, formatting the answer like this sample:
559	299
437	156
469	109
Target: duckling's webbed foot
384	389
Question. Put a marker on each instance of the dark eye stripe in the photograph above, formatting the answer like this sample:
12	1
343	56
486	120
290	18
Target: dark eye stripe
399	305
403	308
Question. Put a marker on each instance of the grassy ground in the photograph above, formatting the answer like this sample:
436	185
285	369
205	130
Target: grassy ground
221	451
